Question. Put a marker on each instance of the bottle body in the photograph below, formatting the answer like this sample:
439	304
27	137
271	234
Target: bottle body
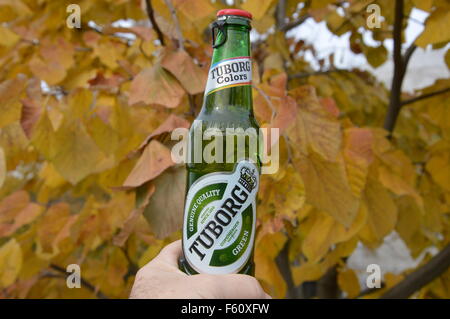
223	165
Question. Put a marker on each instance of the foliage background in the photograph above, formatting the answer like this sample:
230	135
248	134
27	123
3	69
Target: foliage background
85	169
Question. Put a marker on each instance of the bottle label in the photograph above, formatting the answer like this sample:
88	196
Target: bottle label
219	220
228	73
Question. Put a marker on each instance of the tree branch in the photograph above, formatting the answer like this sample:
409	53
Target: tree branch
425	96
151	16
302	75
192	106
327	286
407	57
282	261
84	282
369	291
399	70
177	24
280	14
291	25
421	277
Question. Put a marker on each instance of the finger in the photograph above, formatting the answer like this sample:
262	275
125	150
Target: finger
170	254
240	286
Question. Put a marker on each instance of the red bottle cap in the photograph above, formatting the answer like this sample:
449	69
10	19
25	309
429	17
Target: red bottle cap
234	12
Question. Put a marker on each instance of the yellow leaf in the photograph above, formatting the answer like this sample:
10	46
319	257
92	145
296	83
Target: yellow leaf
50	176
52	229
358	156
257	8
51	72
327	187
107	272
288	195
16	210
11	9
263	24
376	56
54	59
274	61
106	138
14	142
43	137
335	21
129	225
34	264
438	111
164	211
154	160
155	86
424	5
432	206
391	279
315	127
439	168
318	240
56	117
80	103
306	272
397	185
348	281
400	164
409	222
437	28
194	10
382	213
10	262
117	268
170	123
320	4
77	155
342	233
7	37
266	249
182	66
10	106
109	52
31	107
310	271
326	231
2	166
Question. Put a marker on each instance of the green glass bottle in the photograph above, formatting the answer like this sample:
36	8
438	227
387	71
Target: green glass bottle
223	163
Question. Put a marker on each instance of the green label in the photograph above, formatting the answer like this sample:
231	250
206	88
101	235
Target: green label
219	220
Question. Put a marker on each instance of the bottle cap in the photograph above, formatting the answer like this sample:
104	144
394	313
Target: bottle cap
234	12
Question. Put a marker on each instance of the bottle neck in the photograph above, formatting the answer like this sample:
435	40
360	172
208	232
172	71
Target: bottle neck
229	79
237	43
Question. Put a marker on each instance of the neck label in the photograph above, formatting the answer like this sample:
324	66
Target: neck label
228	73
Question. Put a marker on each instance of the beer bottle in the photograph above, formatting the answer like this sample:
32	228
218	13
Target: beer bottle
220	205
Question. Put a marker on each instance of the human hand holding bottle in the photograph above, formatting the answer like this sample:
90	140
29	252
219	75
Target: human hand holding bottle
161	278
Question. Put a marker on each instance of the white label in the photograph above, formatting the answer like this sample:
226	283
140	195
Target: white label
229	73
219	220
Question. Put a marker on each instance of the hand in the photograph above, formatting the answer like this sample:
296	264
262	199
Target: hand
161	278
